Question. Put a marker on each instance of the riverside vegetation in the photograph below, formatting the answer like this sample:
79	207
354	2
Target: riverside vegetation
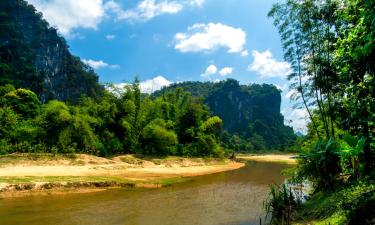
175	124
331	47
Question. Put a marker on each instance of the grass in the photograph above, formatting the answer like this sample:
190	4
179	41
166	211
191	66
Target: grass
59	179
335	219
171	181
338	207
321	209
77	181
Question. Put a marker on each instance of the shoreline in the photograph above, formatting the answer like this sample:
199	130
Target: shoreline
274	158
44	174
28	174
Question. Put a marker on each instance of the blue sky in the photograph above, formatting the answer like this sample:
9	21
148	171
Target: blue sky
175	40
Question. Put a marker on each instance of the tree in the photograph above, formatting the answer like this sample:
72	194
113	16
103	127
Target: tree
212	125
23	102
8	122
157	139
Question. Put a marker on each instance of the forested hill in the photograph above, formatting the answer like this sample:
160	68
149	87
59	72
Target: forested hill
34	56
251	113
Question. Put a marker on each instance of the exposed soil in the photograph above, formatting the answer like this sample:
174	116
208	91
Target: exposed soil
285	158
25	172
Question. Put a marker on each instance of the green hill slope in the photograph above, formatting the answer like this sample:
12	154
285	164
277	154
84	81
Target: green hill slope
251	113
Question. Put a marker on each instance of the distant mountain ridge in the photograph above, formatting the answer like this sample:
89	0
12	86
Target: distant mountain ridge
34	56
251	112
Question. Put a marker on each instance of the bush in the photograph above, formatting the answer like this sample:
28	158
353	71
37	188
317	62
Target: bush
27	131
24	102
158	140
280	204
321	165
5	147
8	121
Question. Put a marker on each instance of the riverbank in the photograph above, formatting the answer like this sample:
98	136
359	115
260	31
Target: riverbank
22	174
277	158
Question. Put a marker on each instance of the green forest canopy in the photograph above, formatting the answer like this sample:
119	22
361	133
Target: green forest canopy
174	124
251	113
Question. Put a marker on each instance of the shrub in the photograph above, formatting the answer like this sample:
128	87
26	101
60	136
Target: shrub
280	204
24	102
8	121
158	140
321	165
5	147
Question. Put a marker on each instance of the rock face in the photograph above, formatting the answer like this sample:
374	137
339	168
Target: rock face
34	56
248	111
240	105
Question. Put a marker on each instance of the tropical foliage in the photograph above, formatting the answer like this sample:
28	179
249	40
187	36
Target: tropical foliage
251	114
330	45
120	122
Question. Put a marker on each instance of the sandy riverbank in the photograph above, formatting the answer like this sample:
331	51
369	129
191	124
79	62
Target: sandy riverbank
281	158
21	174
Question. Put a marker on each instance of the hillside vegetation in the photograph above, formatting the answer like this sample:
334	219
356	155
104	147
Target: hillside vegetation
251	113
34	56
175	124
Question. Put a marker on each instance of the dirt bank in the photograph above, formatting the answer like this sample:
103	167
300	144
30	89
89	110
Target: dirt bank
24	173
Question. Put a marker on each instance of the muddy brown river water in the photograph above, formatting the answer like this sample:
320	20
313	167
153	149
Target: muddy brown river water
227	198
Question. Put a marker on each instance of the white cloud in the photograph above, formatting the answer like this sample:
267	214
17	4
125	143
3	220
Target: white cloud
282	87
149	86
210	70
99	64
67	15
110	36
244	53
297	118
265	65
196	2
209	37
226	71
291	94
148	9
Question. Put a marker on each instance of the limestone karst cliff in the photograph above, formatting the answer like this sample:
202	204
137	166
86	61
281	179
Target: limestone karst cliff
34	56
250	113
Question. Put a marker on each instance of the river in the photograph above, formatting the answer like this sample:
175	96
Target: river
233	197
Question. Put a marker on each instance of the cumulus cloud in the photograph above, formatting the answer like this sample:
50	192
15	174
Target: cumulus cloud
99	64
110	36
210	70
196	2
266	66
226	71
149	86
209	37
291	94
282	87
297	118
244	53
148	9
155	84
67	15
